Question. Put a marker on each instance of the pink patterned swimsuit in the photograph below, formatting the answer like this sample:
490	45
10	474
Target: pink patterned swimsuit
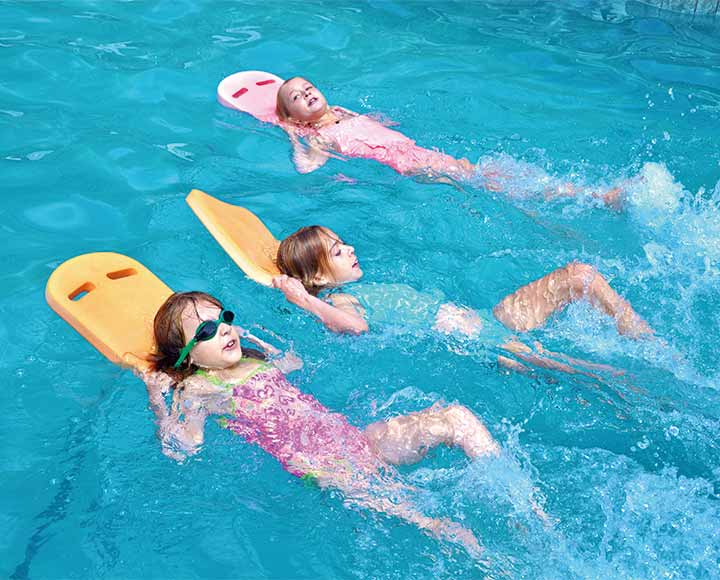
292	426
364	137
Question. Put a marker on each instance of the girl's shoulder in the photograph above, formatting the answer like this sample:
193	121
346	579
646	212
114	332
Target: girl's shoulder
346	302
198	384
340	298
344	113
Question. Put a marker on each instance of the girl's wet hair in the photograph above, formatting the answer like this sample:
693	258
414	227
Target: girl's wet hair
280	108
304	255
170	338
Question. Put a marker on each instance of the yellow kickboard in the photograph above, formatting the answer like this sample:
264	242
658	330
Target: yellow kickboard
241	234
111	300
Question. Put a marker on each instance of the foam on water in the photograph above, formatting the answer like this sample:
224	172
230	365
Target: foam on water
654	196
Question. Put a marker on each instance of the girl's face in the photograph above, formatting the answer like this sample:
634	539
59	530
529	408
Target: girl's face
222	350
343	263
302	100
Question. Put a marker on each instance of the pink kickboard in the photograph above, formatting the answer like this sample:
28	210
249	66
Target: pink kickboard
253	92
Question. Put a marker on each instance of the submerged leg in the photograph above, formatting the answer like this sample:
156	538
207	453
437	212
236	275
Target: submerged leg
531	305
408	438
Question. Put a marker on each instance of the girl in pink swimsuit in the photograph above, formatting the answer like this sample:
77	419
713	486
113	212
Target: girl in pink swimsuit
304	114
199	349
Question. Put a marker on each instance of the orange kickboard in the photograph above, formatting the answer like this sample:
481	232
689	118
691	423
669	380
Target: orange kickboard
240	233
111	300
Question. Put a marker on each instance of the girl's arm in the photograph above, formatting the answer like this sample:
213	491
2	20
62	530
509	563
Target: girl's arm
182	430
287	363
158	384
307	158
342	316
183	433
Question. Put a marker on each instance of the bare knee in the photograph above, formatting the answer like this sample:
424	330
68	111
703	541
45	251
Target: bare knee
579	276
459	415
401	440
469	432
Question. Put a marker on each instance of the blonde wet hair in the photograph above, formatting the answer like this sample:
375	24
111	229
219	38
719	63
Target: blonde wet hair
280	106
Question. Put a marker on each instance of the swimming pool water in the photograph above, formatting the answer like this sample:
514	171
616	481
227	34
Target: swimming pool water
108	119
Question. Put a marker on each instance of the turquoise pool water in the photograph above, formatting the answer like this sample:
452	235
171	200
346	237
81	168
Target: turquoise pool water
108	118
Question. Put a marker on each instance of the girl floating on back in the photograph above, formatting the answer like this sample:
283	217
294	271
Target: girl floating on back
314	259
327	131
198	346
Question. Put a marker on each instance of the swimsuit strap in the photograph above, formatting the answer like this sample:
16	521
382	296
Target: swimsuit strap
326	293
263	366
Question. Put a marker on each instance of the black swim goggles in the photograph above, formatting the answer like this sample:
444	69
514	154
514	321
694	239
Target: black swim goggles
207	330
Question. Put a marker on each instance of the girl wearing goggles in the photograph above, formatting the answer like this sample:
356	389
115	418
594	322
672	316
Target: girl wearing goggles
198	346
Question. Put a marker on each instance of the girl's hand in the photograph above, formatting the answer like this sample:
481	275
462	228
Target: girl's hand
176	442
288	363
307	158
268	348
292	288
156	382
242	332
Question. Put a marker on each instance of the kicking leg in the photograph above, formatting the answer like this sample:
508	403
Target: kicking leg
408	438
531	305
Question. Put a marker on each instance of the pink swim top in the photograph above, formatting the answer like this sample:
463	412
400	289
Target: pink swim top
362	136
292	426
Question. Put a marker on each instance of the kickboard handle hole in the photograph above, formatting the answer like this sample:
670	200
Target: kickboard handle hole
81	291
122	273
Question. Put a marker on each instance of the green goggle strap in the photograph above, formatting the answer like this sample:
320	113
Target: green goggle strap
185	352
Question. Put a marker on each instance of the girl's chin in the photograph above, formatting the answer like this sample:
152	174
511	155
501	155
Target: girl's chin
316	112
353	278
234	356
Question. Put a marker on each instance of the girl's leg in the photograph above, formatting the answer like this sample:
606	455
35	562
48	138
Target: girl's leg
530	306
408	438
